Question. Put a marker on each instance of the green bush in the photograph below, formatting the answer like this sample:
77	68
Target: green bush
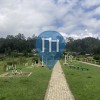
35	59
97	57
30	55
22	60
11	62
2	57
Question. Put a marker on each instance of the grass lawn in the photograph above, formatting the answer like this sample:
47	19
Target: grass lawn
26	88
85	85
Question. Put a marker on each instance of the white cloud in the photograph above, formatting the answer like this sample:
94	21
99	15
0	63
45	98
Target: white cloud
32	17
89	3
80	35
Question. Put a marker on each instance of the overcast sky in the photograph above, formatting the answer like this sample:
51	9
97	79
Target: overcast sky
76	18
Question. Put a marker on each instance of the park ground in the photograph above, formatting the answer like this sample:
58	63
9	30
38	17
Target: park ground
83	80
25	88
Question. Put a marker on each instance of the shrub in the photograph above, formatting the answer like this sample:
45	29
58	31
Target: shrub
11	62
97	57
35	59
2	57
22	60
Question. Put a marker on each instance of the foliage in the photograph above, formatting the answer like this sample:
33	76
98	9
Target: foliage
97	57
11	62
2	57
22	60
87	45
16	43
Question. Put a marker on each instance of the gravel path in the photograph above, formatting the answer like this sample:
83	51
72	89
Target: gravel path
58	88
90	64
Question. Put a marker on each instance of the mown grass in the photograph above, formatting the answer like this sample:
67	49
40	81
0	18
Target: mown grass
25	88
85	85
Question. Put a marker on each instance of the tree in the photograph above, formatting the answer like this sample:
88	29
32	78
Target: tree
20	36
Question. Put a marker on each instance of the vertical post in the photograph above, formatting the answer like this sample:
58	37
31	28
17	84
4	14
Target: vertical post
38	61
42	61
57	45
65	59
71	58
49	44
42	44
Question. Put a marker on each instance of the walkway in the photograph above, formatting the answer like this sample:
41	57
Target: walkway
58	88
90	64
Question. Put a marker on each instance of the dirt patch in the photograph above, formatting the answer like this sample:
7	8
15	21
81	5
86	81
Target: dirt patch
16	74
